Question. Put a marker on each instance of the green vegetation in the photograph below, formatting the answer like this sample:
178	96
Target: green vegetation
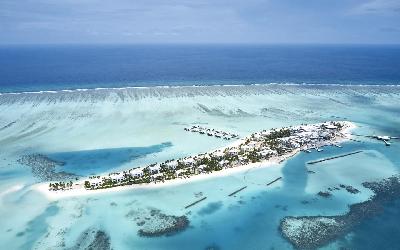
256	148
276	134
60	185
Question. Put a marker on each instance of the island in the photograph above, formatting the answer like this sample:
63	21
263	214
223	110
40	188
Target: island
258	149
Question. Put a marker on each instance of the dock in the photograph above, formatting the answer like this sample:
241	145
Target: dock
212	132
237	191
334	157
194	203
359	135
277	179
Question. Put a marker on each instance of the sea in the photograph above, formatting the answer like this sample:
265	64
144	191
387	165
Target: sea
36	68
80	110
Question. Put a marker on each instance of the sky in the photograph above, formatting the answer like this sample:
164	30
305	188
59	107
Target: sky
199	21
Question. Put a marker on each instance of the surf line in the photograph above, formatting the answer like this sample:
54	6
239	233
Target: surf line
334	157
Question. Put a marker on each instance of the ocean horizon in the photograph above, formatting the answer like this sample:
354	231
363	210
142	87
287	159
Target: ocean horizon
27	68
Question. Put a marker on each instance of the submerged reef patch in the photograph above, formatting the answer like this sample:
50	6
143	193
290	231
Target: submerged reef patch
282	114
213	247
161	224
92	239
101	241
350	189
44	168
324	194
154	223
218	112
309	232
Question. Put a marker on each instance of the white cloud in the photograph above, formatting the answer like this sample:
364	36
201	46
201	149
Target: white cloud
379	7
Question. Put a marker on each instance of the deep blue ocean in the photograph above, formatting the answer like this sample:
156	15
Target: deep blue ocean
33	68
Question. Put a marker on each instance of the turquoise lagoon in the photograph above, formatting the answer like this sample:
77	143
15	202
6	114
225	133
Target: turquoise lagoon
105	130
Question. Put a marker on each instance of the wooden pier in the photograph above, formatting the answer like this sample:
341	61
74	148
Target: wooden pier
194	203
237	191
277	179
334	157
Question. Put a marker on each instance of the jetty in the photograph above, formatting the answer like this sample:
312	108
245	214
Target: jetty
386	143
194	203
354	140
277	179
384	138
237	191
334	157
212	132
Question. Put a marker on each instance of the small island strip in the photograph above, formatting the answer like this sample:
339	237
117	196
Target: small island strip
259	149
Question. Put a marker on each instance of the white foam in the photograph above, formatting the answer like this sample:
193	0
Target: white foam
200	86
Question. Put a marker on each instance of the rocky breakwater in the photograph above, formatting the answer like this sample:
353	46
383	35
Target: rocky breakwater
310	232
92	239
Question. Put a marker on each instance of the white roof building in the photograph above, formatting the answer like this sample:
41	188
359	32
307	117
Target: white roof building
188	160
95	182
266	152
329	126
223	162
234	151
172	164
218	153
202	166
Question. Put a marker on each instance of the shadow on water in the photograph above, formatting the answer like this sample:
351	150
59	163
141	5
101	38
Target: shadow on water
87	162
210	208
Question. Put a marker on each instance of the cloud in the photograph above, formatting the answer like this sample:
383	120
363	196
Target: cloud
200	21
379	7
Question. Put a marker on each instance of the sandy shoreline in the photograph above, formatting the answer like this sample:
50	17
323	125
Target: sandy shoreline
79	190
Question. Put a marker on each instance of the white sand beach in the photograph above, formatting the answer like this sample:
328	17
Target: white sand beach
78	189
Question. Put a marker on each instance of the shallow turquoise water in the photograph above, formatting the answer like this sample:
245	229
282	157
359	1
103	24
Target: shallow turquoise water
91	162
117	129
